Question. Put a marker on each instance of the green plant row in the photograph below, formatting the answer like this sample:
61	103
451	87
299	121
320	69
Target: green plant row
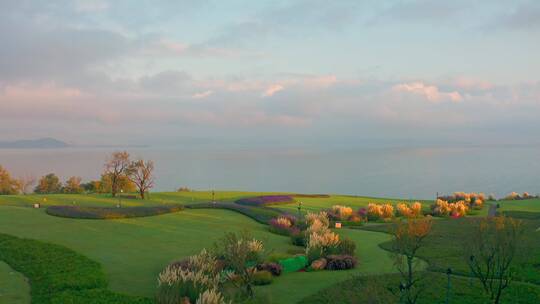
259	214
82	212
58	275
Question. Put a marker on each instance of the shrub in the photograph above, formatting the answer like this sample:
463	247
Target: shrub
82	212
284	225
299	239
516	196
260	214
262	277
346	246
274	268
377	211
443	208
415	210
189	279
266	200
58	274
319	264
340	262
312	195
341	212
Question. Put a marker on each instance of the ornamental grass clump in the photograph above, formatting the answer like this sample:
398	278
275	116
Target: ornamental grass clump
284	225
187	281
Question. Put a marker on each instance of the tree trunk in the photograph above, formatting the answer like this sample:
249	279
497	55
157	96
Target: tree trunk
142	193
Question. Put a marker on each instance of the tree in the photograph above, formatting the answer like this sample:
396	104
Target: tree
116	167
91	186
140	173
25	183
73	185
408	238
241	253
7	184
104	185
49	183
490	250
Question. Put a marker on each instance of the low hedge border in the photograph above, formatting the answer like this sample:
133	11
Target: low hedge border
58	274
105	213
259	214
265	200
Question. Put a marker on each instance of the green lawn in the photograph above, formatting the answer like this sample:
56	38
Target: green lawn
14	288
133	251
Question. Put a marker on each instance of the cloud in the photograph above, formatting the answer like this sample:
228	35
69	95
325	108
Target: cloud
271	90
430	92
202	95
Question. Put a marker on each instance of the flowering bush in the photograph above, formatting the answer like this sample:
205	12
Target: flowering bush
284	225
415	210
341	212
443	208
472	200
266	200
517	196
377	211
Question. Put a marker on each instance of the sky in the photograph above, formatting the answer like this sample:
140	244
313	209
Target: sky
270	72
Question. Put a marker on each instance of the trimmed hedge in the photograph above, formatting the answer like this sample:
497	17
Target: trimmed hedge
259	214
58	274
266	200
105	213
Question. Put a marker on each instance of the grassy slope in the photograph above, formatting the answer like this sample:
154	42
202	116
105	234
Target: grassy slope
14	288
133	251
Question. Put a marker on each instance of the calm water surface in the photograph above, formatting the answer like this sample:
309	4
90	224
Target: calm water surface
388	172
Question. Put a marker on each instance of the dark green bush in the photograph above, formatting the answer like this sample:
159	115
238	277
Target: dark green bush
82	212
262	277
345	246
340	262
58	274
274	268
299	239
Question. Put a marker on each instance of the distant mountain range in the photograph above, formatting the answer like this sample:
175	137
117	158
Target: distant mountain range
41	143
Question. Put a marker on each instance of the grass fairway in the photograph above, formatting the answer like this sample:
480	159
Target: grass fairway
14	288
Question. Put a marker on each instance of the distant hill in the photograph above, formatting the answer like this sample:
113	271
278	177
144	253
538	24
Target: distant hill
41	143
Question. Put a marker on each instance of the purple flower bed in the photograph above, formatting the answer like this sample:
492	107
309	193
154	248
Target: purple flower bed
282	229
266	200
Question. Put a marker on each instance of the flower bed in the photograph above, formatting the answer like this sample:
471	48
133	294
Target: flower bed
266	200
110	212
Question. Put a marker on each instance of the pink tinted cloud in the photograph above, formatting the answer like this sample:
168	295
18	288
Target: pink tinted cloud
202	95
272	89
430	92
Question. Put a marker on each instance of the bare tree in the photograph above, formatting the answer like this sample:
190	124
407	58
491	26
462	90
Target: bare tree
140	173
26	183
408	238
490	250
115	168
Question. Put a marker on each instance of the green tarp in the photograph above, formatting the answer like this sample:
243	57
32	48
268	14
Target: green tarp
293	264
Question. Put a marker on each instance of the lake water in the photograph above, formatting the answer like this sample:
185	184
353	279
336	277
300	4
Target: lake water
388	172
